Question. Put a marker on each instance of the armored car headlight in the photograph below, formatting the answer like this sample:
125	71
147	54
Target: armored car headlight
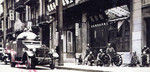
34	49
55	55
53	50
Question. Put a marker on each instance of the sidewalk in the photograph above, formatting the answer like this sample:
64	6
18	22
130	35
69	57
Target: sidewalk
86	68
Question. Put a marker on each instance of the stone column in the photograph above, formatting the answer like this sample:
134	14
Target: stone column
84	33
40	8
136	27
4	24
27	13
40	15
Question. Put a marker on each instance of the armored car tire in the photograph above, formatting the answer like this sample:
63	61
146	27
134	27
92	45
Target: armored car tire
52	64
12	64
5	62
30	63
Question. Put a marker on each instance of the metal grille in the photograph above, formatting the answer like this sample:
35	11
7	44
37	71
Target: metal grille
42	52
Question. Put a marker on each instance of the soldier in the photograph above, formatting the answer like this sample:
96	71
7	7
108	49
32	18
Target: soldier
100	57
91	58
111	51
87	51
145	56
134	59
100	54
86	54
80	60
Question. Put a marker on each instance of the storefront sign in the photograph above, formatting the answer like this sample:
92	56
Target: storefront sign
11	14
77	29
53	3
50	32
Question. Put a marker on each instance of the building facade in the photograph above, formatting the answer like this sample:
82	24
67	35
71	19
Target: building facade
93	23
7	21
85	22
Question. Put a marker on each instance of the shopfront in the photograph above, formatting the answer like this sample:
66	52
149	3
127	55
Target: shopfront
110	27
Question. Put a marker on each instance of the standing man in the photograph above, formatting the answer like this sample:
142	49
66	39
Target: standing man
146	51
111	51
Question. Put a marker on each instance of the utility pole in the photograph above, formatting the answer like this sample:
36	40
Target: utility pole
60	30
4	24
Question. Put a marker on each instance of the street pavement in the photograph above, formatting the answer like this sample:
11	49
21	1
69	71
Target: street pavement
72	67
122	68
21	68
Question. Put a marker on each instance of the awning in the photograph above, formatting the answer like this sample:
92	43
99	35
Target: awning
118	12
97	16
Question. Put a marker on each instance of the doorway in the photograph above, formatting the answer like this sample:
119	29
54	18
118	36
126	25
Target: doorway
70	46
147	20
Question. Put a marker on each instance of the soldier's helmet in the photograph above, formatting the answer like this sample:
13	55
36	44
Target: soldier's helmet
134	53
109	44
90	52
145	46
101	50
88	45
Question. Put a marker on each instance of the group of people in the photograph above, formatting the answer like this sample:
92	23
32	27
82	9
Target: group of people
145	58
90	58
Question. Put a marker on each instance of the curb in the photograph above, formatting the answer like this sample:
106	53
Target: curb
78	69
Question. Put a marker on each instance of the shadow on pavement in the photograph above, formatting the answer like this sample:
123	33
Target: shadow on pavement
32	68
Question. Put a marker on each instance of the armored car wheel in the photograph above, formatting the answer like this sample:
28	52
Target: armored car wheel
12	64
30	63
5	62
118	60
52	64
